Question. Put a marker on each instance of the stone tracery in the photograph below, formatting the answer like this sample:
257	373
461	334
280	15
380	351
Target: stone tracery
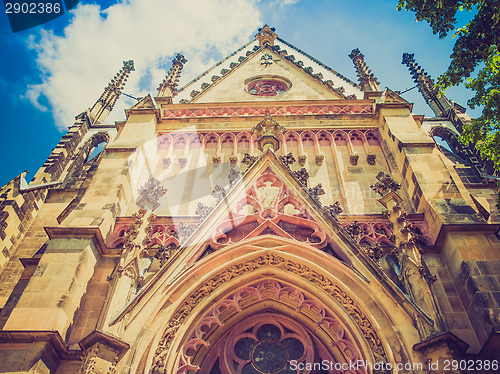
244	297
184	310
272	210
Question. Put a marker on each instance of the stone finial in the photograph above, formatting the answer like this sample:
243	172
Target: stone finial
437	102
268	132
368	81
385	184
104	105
168	88
150	193
266	34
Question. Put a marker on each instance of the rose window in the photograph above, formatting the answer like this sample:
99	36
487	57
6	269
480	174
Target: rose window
268	350
269	345
267	86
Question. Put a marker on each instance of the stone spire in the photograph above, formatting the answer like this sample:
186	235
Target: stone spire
168	88
268	132
266	34
368	81
438	103
104	105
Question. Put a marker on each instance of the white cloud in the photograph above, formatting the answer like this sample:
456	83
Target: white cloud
77	66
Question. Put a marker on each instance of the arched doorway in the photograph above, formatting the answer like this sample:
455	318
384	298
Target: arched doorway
340	313
271	326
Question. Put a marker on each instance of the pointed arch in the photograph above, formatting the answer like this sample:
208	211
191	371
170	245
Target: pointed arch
373	138
179	141
226	291
357	137
227	140
340	138
291	139
308	138
324	138
164	141
195	141
211	140
82	161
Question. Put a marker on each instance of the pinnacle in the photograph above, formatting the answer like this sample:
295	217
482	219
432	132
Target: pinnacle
267	35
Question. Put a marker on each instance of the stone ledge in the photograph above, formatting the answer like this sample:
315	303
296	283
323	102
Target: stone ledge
105	339
83	232
51	337
492	346
464	227
445	339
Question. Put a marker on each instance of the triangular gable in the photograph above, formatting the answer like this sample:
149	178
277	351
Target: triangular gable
280	209
391	97
318	80
147	105
147	102
267	75
268	199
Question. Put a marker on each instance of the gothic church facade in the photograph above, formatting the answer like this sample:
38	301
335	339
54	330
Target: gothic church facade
271	216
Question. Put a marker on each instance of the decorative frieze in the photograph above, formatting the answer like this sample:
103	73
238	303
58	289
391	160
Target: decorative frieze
259	111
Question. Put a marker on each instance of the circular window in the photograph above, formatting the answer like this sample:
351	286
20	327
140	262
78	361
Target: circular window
267	344
267	86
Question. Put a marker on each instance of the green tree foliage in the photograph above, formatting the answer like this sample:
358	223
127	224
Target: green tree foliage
477	44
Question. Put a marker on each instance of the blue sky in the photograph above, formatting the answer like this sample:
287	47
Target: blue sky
51	73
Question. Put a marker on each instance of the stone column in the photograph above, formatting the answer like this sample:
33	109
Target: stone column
414	274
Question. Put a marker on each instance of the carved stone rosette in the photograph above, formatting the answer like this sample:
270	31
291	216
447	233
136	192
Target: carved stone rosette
287	159
301	175
302	160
